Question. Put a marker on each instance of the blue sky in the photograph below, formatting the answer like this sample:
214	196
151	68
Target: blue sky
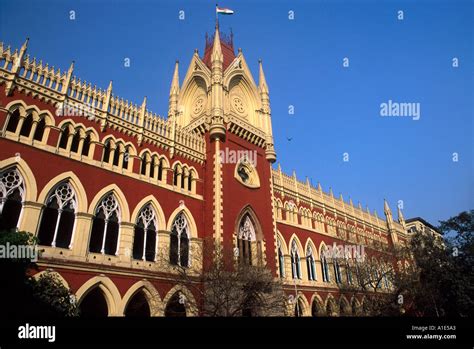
337	109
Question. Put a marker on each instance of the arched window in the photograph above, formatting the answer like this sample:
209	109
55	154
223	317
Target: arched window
325	267
310	264
86	145
75	141
64	138
183	172
281	259
105	227
348	272
190	181
26	127
57	220
13	121
152	167
12	192
160	170
337	271
39	132
143	167
295	261
118	149
144	243
126	156
106	155
245	237
176	174
179	241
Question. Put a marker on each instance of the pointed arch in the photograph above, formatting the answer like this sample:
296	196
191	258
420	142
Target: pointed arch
124	209
191	222
55	273
317	305
151	295
310	243
331	305
150	199
190	300
29	180
284	246
345	308
300	300
109	290
76	183
247	210
301	251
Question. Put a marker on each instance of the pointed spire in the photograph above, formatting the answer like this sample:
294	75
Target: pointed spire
216	48
386	208
24	47
174	90
401	219
110	86
144	103
319	187
330	192
400	215
71	68
262	83
350	202
340	197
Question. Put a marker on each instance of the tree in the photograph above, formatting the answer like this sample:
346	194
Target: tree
22	295
228	288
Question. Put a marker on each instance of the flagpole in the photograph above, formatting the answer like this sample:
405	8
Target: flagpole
217	17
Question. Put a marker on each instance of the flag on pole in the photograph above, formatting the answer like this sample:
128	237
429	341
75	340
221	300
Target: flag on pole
224	11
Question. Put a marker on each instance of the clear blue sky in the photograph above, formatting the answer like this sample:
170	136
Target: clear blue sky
337	109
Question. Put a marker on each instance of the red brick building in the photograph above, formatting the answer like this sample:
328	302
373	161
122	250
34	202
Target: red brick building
116	193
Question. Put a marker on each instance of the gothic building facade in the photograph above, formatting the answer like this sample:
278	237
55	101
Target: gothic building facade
116	193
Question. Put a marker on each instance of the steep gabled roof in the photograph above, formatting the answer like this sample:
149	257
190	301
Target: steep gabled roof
227	46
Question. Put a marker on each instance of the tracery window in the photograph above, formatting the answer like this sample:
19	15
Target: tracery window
12	191
58	216
310	264
145	241
295	261
179	241
105	226
245	237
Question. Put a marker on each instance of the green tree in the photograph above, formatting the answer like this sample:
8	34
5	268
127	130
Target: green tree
22	295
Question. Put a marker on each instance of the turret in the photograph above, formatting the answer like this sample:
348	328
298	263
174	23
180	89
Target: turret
217	128
388	215
265	100
401	220
174	92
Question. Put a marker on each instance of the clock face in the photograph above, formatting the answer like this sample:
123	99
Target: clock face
198	106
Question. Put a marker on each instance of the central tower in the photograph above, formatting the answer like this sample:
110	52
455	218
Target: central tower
220	100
